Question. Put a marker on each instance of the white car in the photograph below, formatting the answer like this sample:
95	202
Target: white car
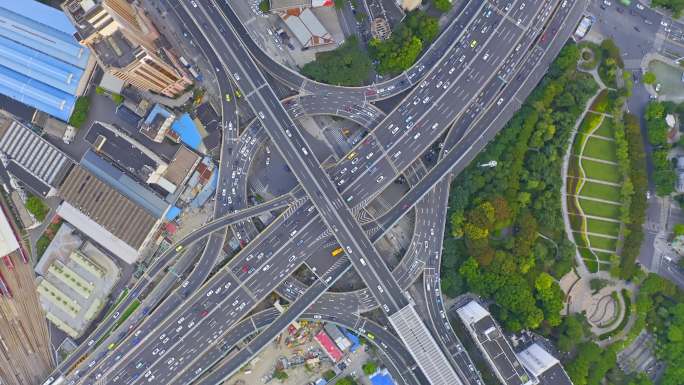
380	178
193	3
261	115
639	7
370	155
304	151
237	77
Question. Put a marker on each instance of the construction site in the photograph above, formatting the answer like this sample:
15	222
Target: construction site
25	354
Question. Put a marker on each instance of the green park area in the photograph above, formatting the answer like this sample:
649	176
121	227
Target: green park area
594	190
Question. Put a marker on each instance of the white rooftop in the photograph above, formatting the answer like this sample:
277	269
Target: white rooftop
472	312
8	242
536	360
97	233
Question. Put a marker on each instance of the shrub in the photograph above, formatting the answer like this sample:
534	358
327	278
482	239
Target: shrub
80	114
35	206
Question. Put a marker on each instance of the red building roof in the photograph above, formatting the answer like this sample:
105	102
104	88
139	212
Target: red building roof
329	346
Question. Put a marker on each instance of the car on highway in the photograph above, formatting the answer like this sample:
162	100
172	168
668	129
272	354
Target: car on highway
179	248
228	97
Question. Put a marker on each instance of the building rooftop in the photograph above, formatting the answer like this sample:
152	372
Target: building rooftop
423	347
141	195
493	343
545	367
106	206
26	150
8	242
181	166
307	29
127	153
329	346
41	64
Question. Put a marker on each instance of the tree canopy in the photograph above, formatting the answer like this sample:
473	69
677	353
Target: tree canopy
347	65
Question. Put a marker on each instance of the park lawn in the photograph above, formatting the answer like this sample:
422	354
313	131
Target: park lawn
586	253
577	145
600	209
601	191
600	149
575	221
602	243
606	129
592	265
601	171
603	256
603	227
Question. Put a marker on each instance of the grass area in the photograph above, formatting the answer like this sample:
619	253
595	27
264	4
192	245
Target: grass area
606	129
575	222
601	149
127	313
586	253
603	227
601	191
599	209
601	171
44	241
603	257
602	243
121	297
591	120
592	265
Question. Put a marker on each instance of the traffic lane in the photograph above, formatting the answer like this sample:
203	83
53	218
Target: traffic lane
296	80
412	114
221	373
221	279
322	191
237	309
412	105
458	97
174	340
462	126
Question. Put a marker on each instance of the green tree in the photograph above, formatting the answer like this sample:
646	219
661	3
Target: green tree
339	4
649	78
80	113
679	229
264	6
369	367
35	206
280	375
443	5
346	65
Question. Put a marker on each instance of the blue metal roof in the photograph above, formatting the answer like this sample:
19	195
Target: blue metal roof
124	184
29	91
39	66
188	132
41	63
41	13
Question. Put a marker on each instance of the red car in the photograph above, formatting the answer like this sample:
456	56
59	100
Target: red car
203	313
245	268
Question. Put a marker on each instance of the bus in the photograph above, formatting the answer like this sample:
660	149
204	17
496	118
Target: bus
336	252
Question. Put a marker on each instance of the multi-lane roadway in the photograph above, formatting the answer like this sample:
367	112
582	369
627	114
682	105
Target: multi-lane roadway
493	33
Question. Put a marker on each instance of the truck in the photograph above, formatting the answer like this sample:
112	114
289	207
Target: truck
185	62
194	73
336	252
